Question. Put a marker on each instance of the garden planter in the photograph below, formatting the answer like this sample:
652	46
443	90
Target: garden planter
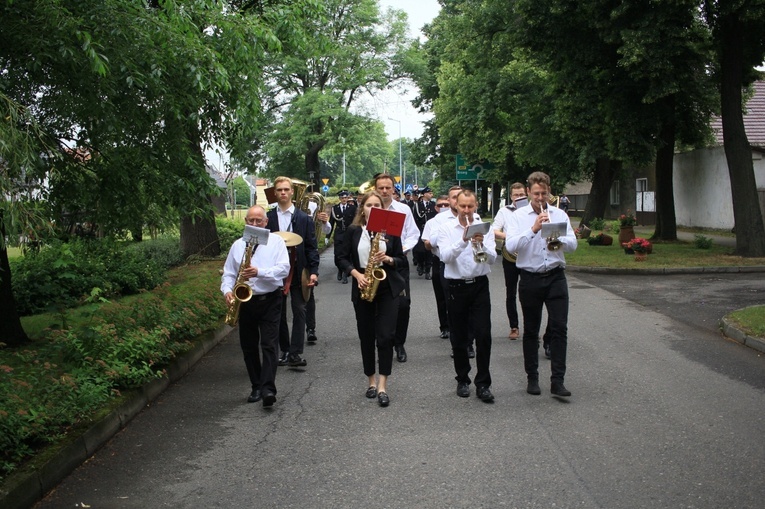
626	233
641	257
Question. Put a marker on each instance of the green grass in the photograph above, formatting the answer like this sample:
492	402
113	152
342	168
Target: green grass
665	255
751	320
14	252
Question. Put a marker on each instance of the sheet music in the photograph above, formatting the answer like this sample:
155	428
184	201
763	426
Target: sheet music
255	234
476	228
549	228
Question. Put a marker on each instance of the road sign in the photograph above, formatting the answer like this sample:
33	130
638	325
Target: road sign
474	171
326	181
409	188
325	188
398	187
398	178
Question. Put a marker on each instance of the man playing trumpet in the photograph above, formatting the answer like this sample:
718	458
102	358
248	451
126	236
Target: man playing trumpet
543	282
466	266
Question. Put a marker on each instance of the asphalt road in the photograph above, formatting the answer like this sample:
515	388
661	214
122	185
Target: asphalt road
664	413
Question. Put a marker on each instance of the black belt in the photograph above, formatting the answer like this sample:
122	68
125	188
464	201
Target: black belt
266	295
462	282
546	273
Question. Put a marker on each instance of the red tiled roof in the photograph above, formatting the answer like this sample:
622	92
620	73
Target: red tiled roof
754	118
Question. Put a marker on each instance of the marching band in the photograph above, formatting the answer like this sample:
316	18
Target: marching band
450	244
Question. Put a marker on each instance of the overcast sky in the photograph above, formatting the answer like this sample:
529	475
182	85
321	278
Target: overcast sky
398	105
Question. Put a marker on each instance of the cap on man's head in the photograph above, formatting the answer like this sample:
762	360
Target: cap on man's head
407	193
425	190
343	193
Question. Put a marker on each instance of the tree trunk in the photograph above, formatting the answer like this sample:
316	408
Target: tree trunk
666	221
602	179
750	231
312	164
11	331
199	235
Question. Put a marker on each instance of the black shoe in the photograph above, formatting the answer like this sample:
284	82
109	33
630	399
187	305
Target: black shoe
283	359
427	275
471	352
484	394
339	275
547	351
444	334
255	396
371	392
311	336
383	399
463	389
400	353
269	398
419	272
533	388
295	361
558	389
345	280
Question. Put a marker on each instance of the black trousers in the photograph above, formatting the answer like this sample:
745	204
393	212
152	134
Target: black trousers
470	317
550	291
440	293
293	343
376	325
511	291
259	332
404	306
310	312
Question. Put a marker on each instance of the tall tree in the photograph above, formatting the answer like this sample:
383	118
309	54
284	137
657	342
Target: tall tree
350	50
739	40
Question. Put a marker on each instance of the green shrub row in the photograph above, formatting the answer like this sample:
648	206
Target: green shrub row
228	231
63	274
58	383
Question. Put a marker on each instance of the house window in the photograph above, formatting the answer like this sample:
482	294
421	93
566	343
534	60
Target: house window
641	185
614	193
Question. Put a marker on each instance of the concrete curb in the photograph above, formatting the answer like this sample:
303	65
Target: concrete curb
731	332
662	271
24	488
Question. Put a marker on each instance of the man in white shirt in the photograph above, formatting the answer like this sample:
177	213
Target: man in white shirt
469	299
543	282
259	317
517	191
385	185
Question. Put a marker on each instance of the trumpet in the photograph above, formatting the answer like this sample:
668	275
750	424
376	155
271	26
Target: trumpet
479	251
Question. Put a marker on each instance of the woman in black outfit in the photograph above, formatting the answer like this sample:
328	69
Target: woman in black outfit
376	320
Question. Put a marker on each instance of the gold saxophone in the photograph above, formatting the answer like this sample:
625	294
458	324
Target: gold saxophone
242	291
374	273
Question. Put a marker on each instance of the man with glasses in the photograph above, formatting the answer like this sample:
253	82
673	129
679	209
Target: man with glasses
259	317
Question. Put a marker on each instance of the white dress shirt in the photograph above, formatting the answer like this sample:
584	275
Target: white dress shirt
457	254
285	218
272	261
410	234
431	228
502	218
531	247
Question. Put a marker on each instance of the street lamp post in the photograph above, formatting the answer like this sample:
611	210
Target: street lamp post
400	166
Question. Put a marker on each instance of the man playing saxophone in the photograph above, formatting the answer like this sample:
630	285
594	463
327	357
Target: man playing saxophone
466	266
259	316
362	255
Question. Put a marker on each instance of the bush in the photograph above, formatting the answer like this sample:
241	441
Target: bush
62	274
77	370
228	231
702	242
597	223
165	251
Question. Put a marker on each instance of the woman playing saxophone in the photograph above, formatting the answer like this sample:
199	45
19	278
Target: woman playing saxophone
375	319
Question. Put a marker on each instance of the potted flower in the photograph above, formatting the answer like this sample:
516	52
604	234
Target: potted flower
626	223
641	247
601	239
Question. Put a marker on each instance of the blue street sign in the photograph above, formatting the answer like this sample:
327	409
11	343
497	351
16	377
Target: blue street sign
325	188
398	187
409	188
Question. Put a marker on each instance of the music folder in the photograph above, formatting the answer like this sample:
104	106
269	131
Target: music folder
255	234
476	228
549	228
388	221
